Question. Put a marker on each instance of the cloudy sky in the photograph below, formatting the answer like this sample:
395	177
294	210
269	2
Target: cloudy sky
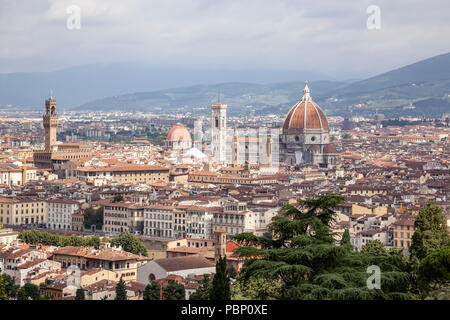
330	36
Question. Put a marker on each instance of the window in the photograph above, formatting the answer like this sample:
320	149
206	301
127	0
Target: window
151	277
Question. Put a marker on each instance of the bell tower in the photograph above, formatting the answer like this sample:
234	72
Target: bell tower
50	121
219	129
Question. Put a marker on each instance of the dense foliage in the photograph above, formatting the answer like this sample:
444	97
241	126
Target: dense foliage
152	291
220	289
121	291
46	238
80	294
203	290
174	291
29	290
257	288
95	217
130	243
434	273
430	232
304	258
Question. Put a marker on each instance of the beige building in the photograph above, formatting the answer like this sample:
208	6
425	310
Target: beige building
159	221
125	173
120	262
403	230
123	216
22	210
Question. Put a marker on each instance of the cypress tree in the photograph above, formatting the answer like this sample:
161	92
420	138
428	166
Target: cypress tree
220	289
345	240
121	291
80	294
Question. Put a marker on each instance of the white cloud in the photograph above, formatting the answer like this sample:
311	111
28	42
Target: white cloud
327	36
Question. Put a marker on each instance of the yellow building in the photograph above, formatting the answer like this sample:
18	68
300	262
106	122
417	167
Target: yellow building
126	173
22	210
403	230
122	263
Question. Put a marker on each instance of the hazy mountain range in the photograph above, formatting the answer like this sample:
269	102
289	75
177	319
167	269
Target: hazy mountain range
425	84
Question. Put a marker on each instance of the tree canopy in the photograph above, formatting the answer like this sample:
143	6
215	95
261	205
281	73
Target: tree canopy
430	232
434	272
36	236
203	290
152	291
304	258
174	291
130	243
93	217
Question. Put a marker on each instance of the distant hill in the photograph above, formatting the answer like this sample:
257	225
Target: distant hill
426	79
238	96
78	85
136	87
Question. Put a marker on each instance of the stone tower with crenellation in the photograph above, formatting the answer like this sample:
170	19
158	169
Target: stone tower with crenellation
50	121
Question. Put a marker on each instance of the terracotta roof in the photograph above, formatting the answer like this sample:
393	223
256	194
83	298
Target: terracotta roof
178	132
305	115
184	263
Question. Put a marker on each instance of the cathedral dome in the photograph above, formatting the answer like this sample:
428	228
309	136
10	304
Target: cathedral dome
305	114
178	133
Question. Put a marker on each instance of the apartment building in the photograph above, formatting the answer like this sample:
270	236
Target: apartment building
125	173
22	210
123	216
160	221
59	213
199	221
120	262
403	230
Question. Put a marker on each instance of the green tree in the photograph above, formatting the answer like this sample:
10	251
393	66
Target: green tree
220	289
80	294
93	217
29	290
345	240
203	290
174	291
152	291
257	288
430	232
3	295
305	259
117	198
375	248
21	295
434	272
232	272
121	291
130	243
11	289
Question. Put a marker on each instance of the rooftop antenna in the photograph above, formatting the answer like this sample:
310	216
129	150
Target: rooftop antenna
218	96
